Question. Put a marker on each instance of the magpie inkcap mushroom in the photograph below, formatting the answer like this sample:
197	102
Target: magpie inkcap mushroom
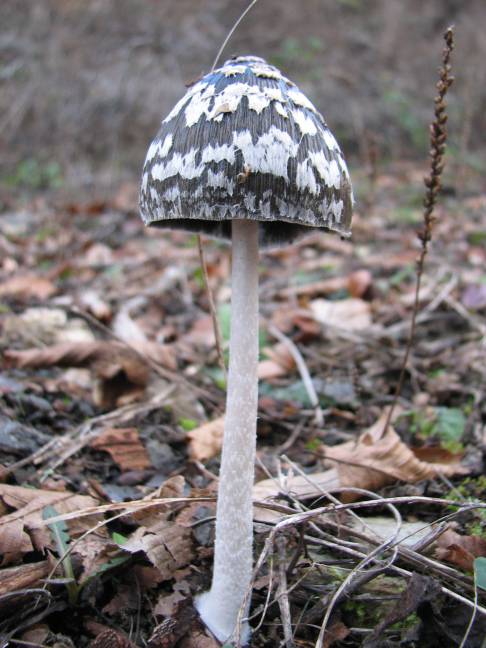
245	142
244	155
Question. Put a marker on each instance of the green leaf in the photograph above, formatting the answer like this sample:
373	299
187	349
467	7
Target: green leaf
58	529
60	534
217	376
119	538
294	392
224	318
188	424
480	572
451	423
102	569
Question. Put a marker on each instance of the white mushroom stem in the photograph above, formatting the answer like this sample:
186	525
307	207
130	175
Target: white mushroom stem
233	553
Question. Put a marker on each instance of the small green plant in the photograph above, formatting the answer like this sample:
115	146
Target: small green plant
480	573
224	319
32	174
60	535
447	424
471	489
188	424
402	109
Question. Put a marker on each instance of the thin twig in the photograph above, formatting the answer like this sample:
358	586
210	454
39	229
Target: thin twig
438	139
212	307
473	615
209	293
231	32
303	371
283	594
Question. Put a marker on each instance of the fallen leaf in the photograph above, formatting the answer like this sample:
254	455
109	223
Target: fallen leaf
474	297
279	363
461	550
167	603
124	446
384	527
174	628
94	304
268	369
322	287
420	589
167	544
111	638
47	326
125	328
26	522
27	287
338	631
359	282
299	486
23	577
97	255
121	372
348	314
37	635
198	638
206	440
201	333
376	459
370	462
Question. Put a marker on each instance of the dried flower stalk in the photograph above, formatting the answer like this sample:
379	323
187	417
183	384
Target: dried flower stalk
438	139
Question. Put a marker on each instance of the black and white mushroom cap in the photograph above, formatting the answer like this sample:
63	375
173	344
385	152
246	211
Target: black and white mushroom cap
245	142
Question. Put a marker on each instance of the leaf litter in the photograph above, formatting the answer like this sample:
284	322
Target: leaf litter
129	310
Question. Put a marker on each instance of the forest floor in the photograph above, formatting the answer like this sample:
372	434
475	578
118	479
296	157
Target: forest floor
111	400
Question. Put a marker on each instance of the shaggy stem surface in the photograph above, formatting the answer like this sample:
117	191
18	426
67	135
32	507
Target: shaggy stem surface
233	554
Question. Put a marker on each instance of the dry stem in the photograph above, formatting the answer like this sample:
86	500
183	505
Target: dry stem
438	139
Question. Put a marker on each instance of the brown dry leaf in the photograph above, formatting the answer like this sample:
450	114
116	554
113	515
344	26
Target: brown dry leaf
121	372
29	504
46	326
323	287
337	632
111	638
370	462
168	604
198	638
124	446
26	287
97	255
280	362
91	301
459	549
95	551
433	454
374	461
206	440
298	485
166	544
23	576
420	589
359	282
348	314
201	333
168	633
37	635
14	542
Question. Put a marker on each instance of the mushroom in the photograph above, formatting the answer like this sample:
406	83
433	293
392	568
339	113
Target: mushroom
243	155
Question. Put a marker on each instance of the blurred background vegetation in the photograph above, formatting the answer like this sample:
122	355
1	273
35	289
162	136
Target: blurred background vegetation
85	83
